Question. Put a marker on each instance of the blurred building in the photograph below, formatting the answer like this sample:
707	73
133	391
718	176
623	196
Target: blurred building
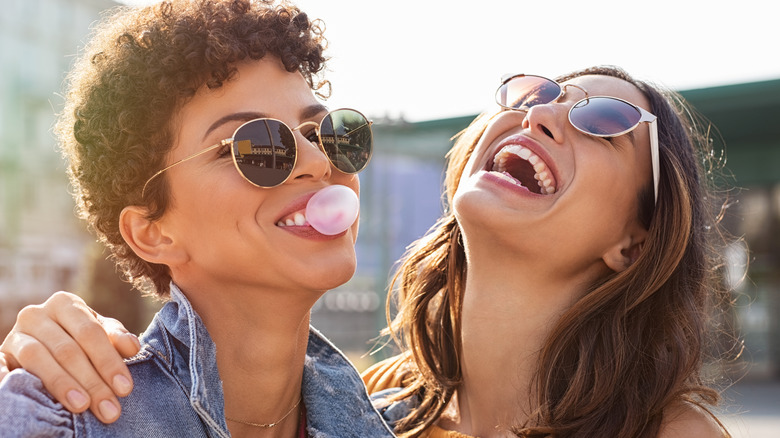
41	241
747	117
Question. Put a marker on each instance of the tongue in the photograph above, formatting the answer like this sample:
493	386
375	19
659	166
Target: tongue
333	209
522	171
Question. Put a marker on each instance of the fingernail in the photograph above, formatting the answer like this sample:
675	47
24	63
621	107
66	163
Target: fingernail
121	384
108	410
76	399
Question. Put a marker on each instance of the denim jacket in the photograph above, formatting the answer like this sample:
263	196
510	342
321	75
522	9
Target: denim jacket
393	411
177	391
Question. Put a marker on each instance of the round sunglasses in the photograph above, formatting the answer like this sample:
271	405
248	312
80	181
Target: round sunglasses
265	151
600	116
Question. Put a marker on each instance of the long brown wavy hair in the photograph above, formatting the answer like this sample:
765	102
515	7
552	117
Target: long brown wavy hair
123	92
644	329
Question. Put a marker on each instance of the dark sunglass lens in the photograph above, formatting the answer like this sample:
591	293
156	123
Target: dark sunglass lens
527	91
604	116
347	139
264	151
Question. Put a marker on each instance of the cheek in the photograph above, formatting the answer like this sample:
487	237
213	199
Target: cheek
353	182
355	185
349	180
469	170
475	158
614	195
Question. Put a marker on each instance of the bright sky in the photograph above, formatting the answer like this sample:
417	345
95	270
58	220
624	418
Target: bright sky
431	59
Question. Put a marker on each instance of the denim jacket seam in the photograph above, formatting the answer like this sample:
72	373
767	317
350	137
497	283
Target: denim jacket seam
143	355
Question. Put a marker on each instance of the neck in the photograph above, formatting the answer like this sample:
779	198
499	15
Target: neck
510	305
261	338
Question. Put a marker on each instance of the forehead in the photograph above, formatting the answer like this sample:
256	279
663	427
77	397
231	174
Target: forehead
263	87
597	85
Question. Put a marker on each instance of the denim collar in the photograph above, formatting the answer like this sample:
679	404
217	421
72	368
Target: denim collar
336	400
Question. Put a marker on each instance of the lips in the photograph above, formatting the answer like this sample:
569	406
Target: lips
522	166
293	220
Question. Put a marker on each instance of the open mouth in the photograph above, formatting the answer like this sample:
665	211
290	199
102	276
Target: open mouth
524	168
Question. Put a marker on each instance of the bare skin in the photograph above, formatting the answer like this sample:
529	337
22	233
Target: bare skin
517	283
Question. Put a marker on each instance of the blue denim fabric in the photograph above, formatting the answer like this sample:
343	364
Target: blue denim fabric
393	411
178	392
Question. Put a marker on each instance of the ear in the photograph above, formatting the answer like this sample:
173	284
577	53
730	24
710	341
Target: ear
623	254
148	238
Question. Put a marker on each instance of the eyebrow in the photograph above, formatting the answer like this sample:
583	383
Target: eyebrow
306	113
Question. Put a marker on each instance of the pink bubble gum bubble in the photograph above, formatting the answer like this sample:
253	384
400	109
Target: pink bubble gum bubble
333	209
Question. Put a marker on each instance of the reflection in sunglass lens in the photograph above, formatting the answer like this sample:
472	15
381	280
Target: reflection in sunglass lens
527	91
346	137
603	116
264	151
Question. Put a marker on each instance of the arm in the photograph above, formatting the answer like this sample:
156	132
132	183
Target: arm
75	352
27	410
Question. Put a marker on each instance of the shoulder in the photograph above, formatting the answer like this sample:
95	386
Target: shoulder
389	373
687	420
337	404
27	409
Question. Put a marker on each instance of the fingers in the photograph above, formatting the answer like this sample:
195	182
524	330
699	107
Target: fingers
38	360
125	343
63	343
93	337
94	362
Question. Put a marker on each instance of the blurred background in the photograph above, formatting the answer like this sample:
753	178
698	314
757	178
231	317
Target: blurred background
422	71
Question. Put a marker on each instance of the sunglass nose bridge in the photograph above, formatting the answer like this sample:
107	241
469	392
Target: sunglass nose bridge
302	125
566	86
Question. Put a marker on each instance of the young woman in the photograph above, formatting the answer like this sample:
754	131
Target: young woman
565	292
195	142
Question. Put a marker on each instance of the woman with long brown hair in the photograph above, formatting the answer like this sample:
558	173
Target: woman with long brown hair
567	290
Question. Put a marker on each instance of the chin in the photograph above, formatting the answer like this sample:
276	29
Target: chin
327	276
473	210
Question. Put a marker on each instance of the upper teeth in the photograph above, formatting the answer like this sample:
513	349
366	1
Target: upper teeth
542	174
297	219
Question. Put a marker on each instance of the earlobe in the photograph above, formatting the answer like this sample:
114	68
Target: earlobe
147	238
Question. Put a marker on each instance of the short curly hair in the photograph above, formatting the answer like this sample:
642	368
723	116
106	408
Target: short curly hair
139	68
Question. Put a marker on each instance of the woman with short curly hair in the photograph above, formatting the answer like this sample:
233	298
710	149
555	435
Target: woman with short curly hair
140	67
195	141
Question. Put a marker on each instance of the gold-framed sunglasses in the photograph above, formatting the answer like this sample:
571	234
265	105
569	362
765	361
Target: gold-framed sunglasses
599	116
265	151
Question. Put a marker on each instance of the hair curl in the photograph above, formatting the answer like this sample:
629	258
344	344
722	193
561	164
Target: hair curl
139	68
643	329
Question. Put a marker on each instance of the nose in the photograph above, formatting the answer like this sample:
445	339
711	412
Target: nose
549	120
312	164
